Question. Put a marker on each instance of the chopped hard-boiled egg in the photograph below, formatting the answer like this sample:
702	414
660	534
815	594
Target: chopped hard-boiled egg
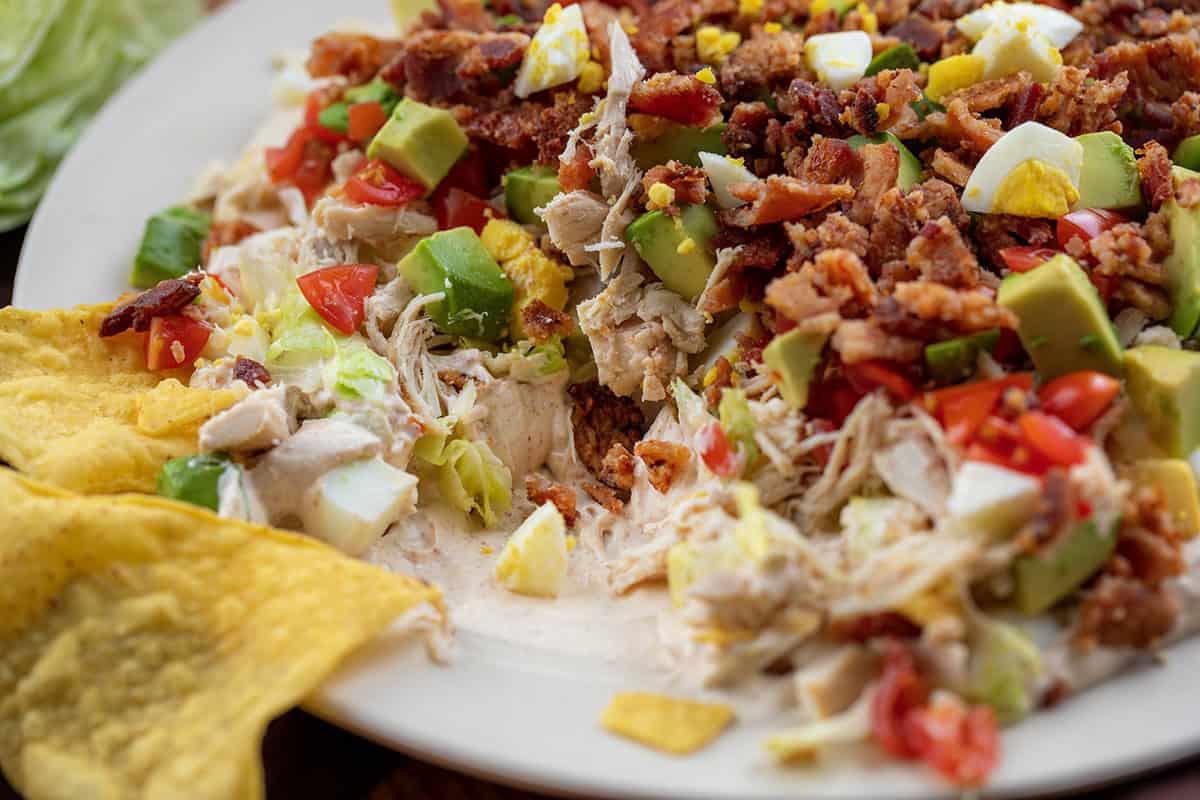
839	59
246	337
723	172
534	275
714	45
557	53
1012	46
351	506
1058	26
534	560
1032	171
953	73
992	500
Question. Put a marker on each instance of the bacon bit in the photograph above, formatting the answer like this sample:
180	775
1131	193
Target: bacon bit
922	33
354	56
939	254
539	490
600	420
605	496
222	234
993	94
453	378
831	160
812	107
864	627
541	321
663	460
969	128
780	198
1124	612
1025	105
950	167
881	166
617	469
682	98
1154	167
1076	102
689	184
967	310
722	376
577	173
253	373
493	51
167	298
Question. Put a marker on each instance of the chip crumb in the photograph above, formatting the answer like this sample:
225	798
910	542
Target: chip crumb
670	724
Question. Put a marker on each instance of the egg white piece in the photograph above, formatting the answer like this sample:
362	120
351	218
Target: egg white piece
723	172
556	54
1058	26
1012	46
839	59
1030	141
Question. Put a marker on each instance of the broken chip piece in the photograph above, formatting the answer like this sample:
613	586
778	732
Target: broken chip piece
665	723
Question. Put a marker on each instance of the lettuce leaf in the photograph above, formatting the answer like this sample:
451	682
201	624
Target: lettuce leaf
361	372
474	480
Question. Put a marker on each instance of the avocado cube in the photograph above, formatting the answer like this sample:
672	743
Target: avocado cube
954	360
1183	265
479	297
1164	386
1187	153
677	249
682	143
194	479
1042	579
1061	321
1109	175
1175	479
528	188
421	141
902	56
172	245
910	165
794	355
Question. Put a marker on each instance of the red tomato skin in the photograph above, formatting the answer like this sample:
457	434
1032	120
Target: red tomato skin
469	174
365	120
1025	258
377	183
866	376
337	293
1079	398
1086	223
305	162
961	743
901	690
1052	438
190	334
455	208
717	452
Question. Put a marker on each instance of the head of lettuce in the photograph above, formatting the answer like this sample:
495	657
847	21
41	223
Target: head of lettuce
60	60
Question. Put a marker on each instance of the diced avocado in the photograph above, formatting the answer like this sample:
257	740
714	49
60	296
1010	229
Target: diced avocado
171	246
1004	664
421	141
902	56
1164	386
680	143
954	360
1187	154
1109	175
1175	479
678	249
910	165
1042	579
193	479
1183	265
478	296
1062	323
794	355
335	117
528	188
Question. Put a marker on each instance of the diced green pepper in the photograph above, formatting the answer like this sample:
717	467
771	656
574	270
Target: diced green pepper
171	246
378	90
335	117
902	56
954	360
193	479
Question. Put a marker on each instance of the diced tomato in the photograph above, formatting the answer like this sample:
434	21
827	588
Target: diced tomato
365	120
718	453
901	691
1086	223
1079	398
963	409
317	100
305	161
783	324
865	376
1026	257
469	174
377	183
456	208
961	743
338	293
1007	346
1052	438
175	341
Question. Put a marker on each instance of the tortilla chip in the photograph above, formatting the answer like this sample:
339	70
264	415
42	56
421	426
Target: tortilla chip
145	644
83	412
665	723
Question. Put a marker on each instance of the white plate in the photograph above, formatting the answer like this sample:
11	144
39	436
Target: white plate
508	713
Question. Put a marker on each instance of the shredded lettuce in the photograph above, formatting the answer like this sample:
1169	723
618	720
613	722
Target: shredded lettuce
1004	665
361	372
474	480
525	361
300	338
738	423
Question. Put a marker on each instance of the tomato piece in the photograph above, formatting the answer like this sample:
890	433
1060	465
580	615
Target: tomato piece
783	324
1026	257
377	183
316	102
305	162
282	162
1079	398
469	174
455	208
366	119
961	743
175	341
338	293
963	409
717	452
1052	438
1086	223
865	376
901	691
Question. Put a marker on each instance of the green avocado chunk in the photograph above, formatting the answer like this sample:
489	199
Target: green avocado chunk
663	243
1164	385
910	165
1004	663
954	360
528	188
1042	579
1109	175
171	246
1183	265
193	479
421	141
680	143
794	355
1187	153
902	56
479	297
1061	321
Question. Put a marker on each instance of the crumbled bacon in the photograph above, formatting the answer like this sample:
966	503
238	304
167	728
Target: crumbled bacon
222	234
605	496
950	167
690	184
994	232
813	108
898	218
617	468
1074	104
925	35
829	161
493	51
541	490
781	197
836	230
601	419
966	310
577	173
168	297
1154	168
1122	251
681	98
939	254
858	340
1123	612
453	378
542	322
664	461
816	297
762	60
529	128
968	128
354	56
993	94
1024	107
761	251
1162	68
942	201
891	89
881	166
864	627
253	373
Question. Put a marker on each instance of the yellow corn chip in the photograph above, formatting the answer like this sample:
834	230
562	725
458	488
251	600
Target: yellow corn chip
145	644
666	723
83	412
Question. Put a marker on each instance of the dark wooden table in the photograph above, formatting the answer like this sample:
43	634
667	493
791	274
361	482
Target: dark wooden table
307	759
